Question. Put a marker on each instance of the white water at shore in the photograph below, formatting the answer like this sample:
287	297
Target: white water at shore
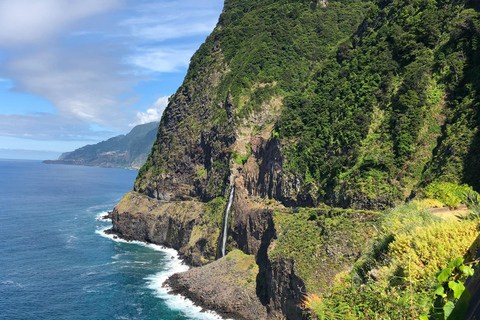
101	217
155	282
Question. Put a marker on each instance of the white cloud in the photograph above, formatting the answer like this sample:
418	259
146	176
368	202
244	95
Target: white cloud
46	126
152	114
86	56
85	84
27	22
158	60
158	27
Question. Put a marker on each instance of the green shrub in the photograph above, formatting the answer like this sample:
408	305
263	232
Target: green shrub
450	194
397	277
420	254
472	200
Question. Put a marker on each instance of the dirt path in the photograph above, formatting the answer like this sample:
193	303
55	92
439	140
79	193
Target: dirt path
449	214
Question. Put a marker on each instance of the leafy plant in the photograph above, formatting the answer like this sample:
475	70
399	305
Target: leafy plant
450	194
452	296
472	200
326	310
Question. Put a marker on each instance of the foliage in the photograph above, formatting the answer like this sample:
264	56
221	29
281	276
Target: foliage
452	296
380	96
450	194
326	310
420	241
405	219
276	43
368	122
429	203
428	249
472	200
239	159
321	241
201	173
397	277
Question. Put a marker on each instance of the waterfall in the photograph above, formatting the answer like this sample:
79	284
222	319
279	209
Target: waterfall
230	200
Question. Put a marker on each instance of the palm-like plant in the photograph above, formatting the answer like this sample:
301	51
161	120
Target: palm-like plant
472	200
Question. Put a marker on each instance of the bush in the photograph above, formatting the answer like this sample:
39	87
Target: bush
420	254
450	194
396	277
472	200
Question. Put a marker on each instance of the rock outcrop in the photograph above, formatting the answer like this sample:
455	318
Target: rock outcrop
227	286
191	227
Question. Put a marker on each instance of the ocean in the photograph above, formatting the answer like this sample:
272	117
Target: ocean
55	260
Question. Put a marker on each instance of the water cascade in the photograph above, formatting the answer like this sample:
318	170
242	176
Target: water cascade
230	200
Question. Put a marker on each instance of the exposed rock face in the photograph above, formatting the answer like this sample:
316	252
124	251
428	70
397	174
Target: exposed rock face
190	227
226	286
264	176
189	160
254	231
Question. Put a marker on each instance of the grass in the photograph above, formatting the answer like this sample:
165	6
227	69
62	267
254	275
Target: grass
396	276
322	242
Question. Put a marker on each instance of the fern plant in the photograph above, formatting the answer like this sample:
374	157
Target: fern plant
326	310
472	200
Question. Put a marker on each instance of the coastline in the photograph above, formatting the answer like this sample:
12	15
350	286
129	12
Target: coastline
226	286
178	266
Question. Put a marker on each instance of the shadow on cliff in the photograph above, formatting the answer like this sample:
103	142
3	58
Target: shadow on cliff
278	287
471	167
264	276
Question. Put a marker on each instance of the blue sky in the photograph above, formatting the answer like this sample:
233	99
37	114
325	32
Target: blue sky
76	72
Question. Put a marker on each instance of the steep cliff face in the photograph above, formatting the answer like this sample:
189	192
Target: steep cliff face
190	227
307	108
234	89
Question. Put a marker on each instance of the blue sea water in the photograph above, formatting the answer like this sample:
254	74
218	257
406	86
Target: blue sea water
55	260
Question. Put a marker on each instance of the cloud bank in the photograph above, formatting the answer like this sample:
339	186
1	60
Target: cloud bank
87	56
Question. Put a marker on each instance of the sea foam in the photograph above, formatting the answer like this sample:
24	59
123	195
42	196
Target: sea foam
155	282
101	215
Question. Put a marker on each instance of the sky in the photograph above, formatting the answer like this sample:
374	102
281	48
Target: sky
76	72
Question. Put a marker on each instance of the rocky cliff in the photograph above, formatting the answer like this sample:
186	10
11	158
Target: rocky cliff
317	113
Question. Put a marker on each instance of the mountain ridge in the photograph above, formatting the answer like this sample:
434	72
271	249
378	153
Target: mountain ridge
122	151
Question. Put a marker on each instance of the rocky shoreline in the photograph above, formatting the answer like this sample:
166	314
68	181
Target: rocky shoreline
226	286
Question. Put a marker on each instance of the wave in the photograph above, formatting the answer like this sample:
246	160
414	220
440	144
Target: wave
101	217
155	282
11	283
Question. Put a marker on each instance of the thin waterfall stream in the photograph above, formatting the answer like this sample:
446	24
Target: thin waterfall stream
224	241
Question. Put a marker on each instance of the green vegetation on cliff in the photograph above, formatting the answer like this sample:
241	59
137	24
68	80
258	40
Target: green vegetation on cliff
397	276
318	112
379	99
124	151
322	242
395	107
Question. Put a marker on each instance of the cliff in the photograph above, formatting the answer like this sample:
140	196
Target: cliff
319	114
123	151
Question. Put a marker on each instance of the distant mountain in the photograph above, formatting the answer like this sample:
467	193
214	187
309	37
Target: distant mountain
123	151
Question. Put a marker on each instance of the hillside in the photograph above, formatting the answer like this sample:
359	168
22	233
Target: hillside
319	116
123	151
